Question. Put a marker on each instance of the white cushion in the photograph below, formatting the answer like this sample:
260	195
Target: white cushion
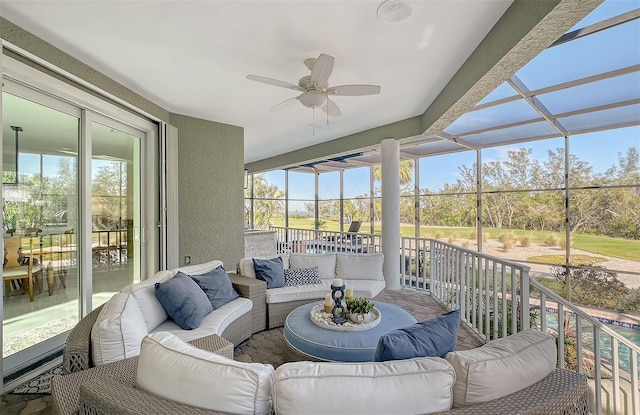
298	292
145	294
246	264
502	366
326	263
174	370
213	323
118	331
359	266
415	386
198	269
364	288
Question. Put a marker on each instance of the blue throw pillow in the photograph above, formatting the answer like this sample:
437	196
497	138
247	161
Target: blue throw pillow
431	338
217	287
270	271
184	301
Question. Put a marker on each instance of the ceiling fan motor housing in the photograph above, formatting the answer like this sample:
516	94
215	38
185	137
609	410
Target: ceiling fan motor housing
313	99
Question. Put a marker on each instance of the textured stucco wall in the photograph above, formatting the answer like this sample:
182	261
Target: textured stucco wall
210	190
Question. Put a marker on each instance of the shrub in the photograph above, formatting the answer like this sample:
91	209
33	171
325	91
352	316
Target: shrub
552	240
439	234
563	243
474	234
507	244
503	237
464	244
453	237
485	236
525	240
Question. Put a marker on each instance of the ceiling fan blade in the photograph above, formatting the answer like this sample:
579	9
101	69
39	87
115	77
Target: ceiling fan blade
322	69
284	104
354	90
331	108
274	82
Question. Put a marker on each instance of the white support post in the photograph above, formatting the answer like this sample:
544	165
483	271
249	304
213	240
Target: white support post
391	212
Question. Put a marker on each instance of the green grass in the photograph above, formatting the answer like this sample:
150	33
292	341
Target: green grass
596	244
560	259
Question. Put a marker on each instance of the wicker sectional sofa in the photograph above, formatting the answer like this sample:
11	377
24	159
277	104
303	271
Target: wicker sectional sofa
362	272
232	321
422	385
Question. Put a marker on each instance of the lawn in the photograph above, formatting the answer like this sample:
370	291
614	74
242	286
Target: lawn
597	244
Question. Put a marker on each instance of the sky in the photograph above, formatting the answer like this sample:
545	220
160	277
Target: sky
566	62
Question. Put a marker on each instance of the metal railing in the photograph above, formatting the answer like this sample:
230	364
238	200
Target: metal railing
314	241
496	298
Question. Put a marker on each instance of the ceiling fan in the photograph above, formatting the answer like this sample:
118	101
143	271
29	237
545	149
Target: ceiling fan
315	87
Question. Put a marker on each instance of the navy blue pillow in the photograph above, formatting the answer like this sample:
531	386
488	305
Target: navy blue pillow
184	301
431	338
217	287
270	271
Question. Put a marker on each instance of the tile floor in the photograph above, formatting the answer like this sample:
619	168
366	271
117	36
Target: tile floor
269	347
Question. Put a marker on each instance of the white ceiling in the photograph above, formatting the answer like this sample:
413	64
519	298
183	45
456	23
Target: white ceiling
192	57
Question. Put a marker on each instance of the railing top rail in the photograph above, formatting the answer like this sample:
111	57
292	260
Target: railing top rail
584	315
324	231
472	252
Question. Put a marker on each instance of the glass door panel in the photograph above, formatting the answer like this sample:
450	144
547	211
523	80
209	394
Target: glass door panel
115	210
40	177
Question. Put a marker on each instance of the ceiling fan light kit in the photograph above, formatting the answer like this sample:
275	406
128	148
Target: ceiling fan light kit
315	87
395	11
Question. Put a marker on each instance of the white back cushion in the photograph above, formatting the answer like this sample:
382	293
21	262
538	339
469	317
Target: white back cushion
502	366
198	269
415	386
326	263
246	264
145	294
177	371
359	266
118	331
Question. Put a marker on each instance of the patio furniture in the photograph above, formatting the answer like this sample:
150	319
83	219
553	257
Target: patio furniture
65	390
305	338
362	272
231	321
19	267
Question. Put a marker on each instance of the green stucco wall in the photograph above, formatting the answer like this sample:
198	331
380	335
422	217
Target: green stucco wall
210	190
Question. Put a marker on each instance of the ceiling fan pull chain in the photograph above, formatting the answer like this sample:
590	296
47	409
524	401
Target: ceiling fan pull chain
313	121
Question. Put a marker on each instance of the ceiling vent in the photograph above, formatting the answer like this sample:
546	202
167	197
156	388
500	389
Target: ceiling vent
394	11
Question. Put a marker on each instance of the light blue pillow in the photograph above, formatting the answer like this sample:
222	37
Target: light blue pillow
184	301
270	271
431	338
216	286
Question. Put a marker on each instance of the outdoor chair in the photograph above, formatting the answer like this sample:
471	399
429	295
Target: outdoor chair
18	267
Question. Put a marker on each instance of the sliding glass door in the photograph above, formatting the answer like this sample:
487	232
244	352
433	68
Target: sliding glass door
73	216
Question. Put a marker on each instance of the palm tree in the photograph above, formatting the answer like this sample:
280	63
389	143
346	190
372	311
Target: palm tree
406	172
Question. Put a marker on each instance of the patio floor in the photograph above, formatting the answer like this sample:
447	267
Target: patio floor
269	347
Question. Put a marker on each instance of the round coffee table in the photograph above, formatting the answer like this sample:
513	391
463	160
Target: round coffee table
301	334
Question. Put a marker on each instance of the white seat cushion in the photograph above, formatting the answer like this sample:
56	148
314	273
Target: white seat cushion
365	288
415	386
118	330
326	263
297	292
174	370
145	294
246	264
359	266
502	366
213	323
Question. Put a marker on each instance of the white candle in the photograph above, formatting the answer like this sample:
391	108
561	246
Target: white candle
327	300
337	282
349	292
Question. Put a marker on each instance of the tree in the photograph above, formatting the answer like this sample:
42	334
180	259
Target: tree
267	203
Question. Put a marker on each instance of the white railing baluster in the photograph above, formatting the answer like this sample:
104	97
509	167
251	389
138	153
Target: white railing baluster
504	301
494	292
615	372
524	297
598	369
579	342
561	333
635	404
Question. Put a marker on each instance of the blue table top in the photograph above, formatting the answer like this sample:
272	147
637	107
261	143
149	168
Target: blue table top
343	346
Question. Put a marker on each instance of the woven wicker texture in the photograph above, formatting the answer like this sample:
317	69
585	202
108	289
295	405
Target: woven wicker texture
255	290
65	390
239	330
76	355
